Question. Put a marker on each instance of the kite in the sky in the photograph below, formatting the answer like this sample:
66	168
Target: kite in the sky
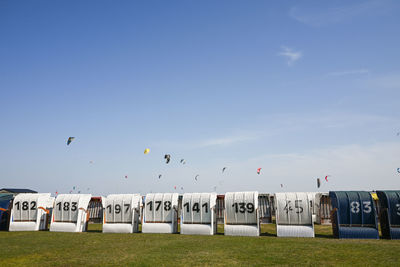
70	140
146	151
318	182
183	161
398	170
196	177
181	187
175	187
167	158
258	170
159	176
126	176
91	162
281	185
326	178
74	187
223	169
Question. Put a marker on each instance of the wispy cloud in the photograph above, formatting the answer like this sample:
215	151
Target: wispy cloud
348	72
389	81
291	55
347	120
323	16
228	140
352	167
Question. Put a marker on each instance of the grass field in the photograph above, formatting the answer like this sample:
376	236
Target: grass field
94	248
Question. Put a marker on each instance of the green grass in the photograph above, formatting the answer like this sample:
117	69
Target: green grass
94	248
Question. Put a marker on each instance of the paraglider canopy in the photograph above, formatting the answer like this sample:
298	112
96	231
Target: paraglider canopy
159	176
196	177
259	170
183	161
167	158
398	170
326	178
318	182
223	169
70	140
146	151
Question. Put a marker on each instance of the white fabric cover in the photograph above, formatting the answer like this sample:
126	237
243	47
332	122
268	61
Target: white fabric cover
160	213
312	196
70	213
241	230
29	212
198	214
294	216
242	217
121	213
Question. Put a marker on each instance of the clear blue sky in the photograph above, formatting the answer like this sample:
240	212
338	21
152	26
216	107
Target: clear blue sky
300	89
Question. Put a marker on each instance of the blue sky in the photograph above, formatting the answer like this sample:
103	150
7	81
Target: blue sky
300	89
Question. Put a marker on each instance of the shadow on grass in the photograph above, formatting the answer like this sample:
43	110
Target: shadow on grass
267	234
94	231
324	236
